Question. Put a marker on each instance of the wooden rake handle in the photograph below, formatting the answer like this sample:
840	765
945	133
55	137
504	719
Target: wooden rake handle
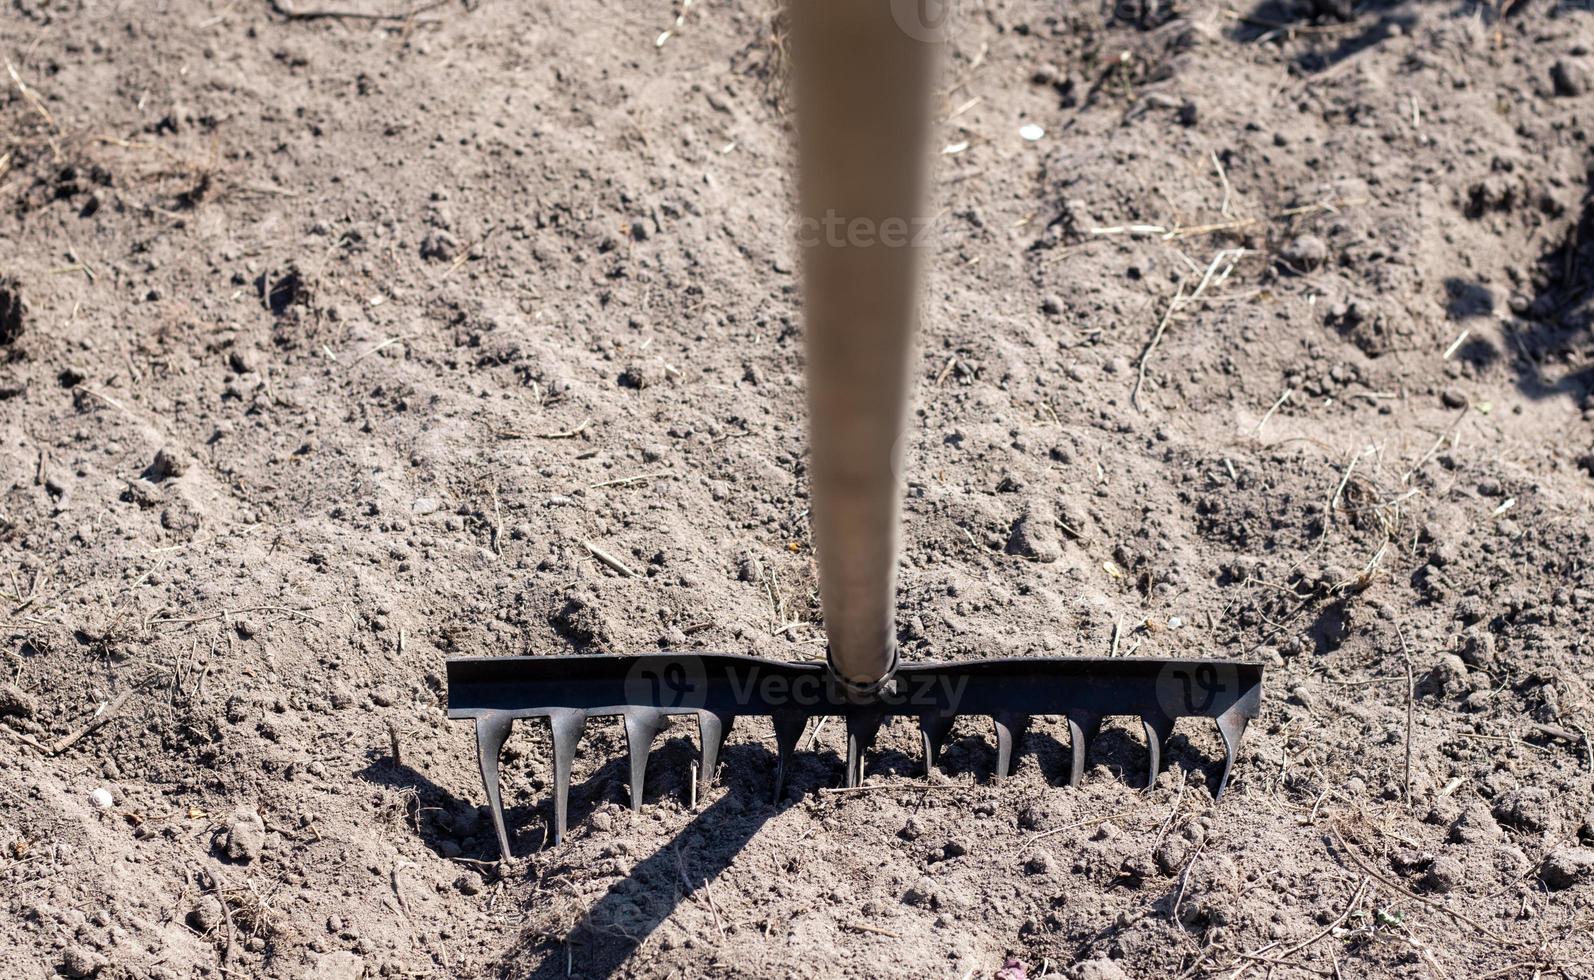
864	77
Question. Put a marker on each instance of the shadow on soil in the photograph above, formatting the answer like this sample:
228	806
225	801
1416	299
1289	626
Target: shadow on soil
1339	29
682	868
685	866
1555	327
1547	342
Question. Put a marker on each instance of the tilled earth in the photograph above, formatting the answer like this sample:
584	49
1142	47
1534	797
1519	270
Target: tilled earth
331	346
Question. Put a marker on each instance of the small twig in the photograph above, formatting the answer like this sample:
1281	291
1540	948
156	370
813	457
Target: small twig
1184	879
67	741
226	912
497	540
393	741
623	481
1411	693
1167	824
30	96
1156	337
883	787
1223	178
714	908
876	930
1466	920
1083	823
568	433
382	346
813	733
1282	959
1449	430
608	560
278	8
1233	255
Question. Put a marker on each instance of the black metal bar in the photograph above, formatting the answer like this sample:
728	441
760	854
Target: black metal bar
717	688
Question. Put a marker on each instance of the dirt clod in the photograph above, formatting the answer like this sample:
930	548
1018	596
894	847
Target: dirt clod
644	373
1568	867
1530	809
1034	535
1444	874
1475	825
168	464
245	837
206	916
1569	78
16	702
78	961
1099	969
1304	253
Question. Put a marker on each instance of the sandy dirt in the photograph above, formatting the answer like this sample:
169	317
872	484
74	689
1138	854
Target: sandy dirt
328	345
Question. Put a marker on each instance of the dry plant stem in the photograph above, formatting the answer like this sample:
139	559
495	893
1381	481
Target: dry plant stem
1283	959
30	96
1432	450
1274	408
1179	299
882	787
1396	886
282	10
1184	880
1156	337
67	741
610	561
1411	694
1083	823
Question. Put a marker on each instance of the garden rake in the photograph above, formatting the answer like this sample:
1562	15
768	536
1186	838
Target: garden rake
864	76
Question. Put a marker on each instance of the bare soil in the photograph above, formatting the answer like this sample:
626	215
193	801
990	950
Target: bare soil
329	344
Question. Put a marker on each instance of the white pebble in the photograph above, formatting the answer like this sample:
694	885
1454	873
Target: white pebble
101	798
1031	132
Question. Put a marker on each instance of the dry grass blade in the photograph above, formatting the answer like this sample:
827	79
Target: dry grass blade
1396	886
30	96
1211	276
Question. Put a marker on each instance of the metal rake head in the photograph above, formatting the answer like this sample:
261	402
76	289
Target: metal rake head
719	688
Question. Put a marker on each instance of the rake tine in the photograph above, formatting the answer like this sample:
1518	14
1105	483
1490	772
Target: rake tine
933	730
1158	728
1231	725
1009	731
642	726
566	725
862	728
1082	729
491	731
789	727
711	730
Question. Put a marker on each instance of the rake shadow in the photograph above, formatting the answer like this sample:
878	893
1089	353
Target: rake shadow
635	905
